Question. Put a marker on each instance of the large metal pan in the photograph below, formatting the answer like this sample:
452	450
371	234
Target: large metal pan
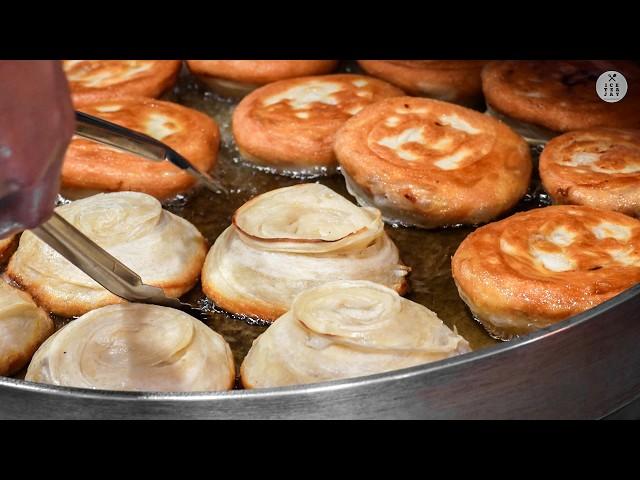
586	367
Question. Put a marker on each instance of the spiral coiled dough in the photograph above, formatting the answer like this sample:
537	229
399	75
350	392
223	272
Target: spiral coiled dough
135	347
294	238
347	329
164	249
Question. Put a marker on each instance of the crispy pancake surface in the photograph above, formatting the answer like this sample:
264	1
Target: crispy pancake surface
164	249
598	167
292	123
294	238
429	163
135	347
538	267
347	329
259	72
23	327
94	80
561	95
92	166
455	81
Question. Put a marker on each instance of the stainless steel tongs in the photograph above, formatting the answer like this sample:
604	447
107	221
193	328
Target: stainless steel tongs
88	256
121	138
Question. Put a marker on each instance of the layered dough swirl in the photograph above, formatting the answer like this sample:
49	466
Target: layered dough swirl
539	267
135	347
93	167
294	238
23	327
347	329
455	81
598	167
236	78
429	163
560	95
164	249
94	80
291	124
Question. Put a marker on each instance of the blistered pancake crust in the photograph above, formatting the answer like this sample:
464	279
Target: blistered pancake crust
539	267
93	166
259	72
599	167
430	163
95	80
292	123
561	95
449	80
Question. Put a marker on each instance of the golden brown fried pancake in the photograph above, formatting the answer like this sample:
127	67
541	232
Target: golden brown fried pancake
536	268
561	95
455	81
95	80
291	124
429	163
95	167
598	167
238	77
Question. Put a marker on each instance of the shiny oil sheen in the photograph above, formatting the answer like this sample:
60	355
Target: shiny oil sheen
427	252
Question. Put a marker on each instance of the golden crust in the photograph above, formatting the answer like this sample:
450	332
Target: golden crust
23	327
599	167
561	95
539	267
7	247
292	123
258	72
49	298
92	166
164	249
449	80
256	308
95	80
430	163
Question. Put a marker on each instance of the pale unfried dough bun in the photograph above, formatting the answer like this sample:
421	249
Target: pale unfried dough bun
294	238
598	167
164	249
291	124
536	268
560	95
236	78
23	327
94	80
91	166
455	81
135	347
429	163
347	329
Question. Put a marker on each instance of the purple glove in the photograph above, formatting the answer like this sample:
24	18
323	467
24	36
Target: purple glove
36	125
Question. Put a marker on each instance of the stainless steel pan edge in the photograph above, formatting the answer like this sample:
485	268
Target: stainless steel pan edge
587	367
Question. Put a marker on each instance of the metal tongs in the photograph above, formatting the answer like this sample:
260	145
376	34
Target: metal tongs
121	138
88	256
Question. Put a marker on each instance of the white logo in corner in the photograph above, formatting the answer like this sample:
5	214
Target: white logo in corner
611	86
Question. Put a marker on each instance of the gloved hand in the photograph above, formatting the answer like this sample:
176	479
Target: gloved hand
36	125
